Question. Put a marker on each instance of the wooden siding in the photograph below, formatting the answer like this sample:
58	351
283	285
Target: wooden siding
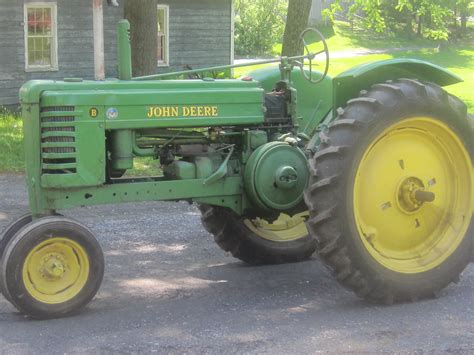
200	35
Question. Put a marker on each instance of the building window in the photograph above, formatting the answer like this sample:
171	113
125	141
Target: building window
163	36
41	37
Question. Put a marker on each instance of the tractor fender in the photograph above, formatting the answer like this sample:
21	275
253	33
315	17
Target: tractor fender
348	84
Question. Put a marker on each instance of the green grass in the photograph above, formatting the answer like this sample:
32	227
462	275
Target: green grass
342	38
11	143
145	166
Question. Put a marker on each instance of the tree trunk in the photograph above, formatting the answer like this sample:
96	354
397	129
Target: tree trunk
296	22
419	25
143	19
409	25
464	16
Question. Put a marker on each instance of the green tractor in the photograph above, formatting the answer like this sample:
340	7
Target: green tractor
372	169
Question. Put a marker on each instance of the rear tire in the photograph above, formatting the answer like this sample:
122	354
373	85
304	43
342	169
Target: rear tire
367	254
232	233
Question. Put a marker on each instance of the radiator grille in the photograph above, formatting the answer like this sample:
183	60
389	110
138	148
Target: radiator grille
58	140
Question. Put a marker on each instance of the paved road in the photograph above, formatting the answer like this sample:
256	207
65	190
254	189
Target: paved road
169	289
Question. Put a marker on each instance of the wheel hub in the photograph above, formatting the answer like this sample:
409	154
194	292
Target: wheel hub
412	195
53	267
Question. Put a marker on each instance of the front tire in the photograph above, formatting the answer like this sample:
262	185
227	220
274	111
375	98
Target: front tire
51	268
7	235
12	229
381	163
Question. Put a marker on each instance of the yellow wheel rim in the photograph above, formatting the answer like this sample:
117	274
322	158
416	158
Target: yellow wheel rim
56	270
408	165
284	229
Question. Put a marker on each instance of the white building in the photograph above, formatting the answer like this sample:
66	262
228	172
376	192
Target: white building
316	9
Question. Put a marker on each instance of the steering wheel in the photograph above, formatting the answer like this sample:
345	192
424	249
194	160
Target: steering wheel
312	56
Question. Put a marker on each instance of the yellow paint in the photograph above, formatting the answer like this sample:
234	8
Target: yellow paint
284	229
184	111
93	112
56	270
163	111
401	233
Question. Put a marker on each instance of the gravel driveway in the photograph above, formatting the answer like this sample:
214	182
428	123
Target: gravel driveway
168	288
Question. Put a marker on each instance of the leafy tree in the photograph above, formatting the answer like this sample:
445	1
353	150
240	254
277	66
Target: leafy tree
464	8
434	10
259	25
372	11
430	17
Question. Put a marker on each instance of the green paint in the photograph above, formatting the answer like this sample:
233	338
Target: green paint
348	84
180	170
275	176
124	50
257	138
205	167
221	172
136	190
211	136
121	151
